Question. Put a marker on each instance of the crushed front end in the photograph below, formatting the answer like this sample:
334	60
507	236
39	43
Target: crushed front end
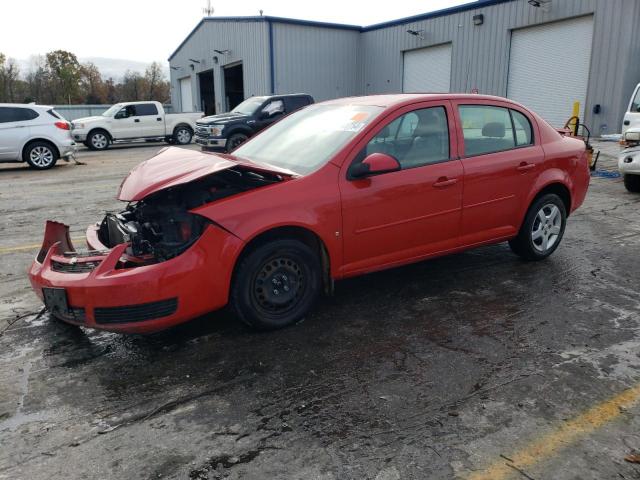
151	266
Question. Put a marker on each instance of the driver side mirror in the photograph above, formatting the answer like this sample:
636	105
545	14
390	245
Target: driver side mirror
374	164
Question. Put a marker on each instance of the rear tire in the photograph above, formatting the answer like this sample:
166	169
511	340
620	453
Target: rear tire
40	155
182	135
542	229
235	141
98	140
632	183
276	284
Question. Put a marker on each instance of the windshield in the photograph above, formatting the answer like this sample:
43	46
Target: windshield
112	110
307	139
249	106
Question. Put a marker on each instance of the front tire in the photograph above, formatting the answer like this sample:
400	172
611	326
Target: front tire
40	155
542	229
276	284
98	140
632	183
235	141
182	135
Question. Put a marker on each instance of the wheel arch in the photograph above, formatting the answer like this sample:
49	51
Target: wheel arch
182	124
559	189
239	129
38	139
100	129
293	232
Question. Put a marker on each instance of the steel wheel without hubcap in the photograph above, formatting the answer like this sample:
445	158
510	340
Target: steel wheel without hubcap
99	141
41	157
183	136
278	286
546	228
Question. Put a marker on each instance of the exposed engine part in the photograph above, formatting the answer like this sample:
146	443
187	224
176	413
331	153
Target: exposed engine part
160	226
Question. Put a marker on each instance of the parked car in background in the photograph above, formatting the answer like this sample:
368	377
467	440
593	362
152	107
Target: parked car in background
226	131
127	121
632	115
35	134
335	190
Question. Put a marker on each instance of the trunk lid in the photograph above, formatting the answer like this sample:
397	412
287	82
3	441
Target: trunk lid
176	166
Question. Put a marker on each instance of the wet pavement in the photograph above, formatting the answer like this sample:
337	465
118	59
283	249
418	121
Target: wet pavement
459	367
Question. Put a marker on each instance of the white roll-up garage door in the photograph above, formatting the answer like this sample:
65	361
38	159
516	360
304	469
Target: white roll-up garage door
427	69
549	67
186	97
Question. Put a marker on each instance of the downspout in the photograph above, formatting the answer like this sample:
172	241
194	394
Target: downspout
272	72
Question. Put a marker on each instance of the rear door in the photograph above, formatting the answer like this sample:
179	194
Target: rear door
408	214
151	121
14	130
502	157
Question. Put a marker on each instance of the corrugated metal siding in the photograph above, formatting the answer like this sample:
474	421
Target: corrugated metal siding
480	55
248	42
315	60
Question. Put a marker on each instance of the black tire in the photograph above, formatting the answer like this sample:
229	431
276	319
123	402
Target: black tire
169	140
632	183
532	242
40	155
98	140
235	140
182	135
292	271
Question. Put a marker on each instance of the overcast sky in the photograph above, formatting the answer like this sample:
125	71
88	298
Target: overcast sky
148	30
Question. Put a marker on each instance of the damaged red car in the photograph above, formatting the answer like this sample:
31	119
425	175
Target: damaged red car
337	189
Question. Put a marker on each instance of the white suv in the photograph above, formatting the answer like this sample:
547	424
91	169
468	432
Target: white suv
35	134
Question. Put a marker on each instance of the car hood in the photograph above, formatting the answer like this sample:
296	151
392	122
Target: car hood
88	119
176	166
222	118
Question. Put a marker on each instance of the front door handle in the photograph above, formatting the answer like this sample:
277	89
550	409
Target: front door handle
524	167
137	120
445	182
159	119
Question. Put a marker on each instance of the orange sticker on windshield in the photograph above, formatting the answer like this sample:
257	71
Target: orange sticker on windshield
359	117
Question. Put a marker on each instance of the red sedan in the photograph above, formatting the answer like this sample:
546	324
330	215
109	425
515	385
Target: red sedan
337	189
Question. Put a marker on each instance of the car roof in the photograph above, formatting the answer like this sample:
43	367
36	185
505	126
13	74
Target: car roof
24	105
391	100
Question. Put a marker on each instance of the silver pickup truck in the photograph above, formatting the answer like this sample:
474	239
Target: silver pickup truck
128	121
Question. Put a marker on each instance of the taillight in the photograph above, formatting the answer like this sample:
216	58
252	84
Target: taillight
63	125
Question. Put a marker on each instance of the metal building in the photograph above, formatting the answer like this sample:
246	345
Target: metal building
546	54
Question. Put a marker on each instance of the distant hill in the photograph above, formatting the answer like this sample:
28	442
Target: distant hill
109	67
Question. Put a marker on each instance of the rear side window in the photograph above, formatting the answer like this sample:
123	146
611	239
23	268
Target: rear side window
294	103
144	109
16	114
522	129
486	129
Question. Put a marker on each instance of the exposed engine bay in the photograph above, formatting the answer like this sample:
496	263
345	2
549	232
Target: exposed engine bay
160	226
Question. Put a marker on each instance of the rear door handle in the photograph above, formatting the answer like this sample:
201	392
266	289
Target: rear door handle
523	167
159	119
137	120
445	182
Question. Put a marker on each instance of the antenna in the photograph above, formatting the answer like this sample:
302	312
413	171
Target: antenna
208	10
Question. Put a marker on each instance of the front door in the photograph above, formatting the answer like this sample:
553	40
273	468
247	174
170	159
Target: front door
401	216
126	124
501	160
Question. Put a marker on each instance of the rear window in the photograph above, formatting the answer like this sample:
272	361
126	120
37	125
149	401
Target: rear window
143	109
17	114
294	103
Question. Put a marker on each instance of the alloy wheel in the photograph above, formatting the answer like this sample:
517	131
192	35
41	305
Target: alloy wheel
99	141
41	156
546	228
184	136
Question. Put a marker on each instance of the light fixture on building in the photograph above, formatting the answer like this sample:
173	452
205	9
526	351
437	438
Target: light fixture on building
416	33
478	19
215	60
222	52
193	67
540	3
192	60
175	68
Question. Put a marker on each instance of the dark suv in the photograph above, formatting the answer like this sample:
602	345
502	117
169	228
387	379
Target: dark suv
228	130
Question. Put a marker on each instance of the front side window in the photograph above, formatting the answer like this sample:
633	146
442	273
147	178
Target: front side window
486	129
144	109
414	139
273	108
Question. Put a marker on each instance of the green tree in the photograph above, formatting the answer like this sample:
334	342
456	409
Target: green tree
65	74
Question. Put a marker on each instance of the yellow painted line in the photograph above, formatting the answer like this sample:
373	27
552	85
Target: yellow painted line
549	445
23	248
